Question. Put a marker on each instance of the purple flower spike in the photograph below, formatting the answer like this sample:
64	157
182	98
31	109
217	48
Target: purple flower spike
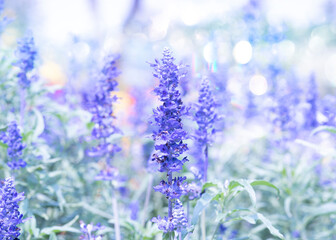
164	224
169	136
26	54
10	216
13	139
100	105
206	117
311	99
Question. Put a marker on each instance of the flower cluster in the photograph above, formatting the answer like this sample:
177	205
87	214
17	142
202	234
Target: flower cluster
10	216
87	231
13	139
284	119
169	137
311	99
178	221
206	117
100	104
26	54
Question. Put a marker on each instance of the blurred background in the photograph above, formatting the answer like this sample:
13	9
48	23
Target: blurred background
241	38
252	50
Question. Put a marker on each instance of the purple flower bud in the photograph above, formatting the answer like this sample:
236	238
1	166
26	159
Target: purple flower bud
87	231
10	216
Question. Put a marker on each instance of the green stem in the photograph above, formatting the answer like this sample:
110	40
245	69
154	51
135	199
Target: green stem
203	227
148	194
116	216
22	106
214	234
206	162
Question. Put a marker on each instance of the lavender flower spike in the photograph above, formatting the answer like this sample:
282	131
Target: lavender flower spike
13	139
100	104
26	54
170	134
10	216
206	117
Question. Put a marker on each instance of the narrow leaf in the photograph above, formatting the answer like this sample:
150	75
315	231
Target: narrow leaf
265	183
268	224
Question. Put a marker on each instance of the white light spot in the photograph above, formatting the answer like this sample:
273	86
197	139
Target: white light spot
258	85
242	52
209	53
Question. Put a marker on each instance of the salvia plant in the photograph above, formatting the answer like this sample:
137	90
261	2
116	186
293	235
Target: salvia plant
100	104
65	167
10	217
15	147
26	54
169	137
206	118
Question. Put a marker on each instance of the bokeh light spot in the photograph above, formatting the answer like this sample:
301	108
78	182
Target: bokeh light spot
258	85
242	52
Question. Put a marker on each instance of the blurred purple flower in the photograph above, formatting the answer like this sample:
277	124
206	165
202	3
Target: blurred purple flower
233	234
296	234
206	117
10	216
328	110
100	105
311	99
13	139
26	54
134	207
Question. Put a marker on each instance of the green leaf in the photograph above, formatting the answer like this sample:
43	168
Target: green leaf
323	128
72	221
3	145
208	185
57	229
265	183
52	236
250	191
234	184
268	224
96	211
325	209
249	219
90	125
60	199
168	236
201	204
